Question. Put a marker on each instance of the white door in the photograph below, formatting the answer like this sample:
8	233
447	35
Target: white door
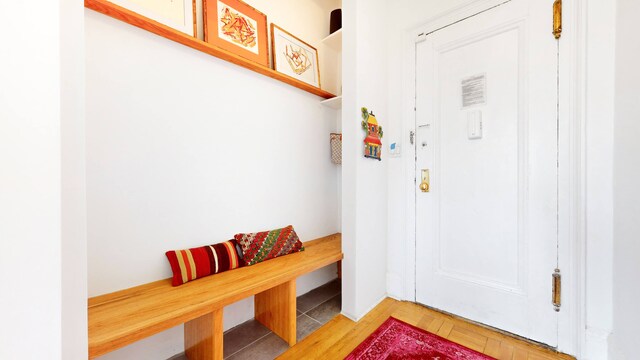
486	123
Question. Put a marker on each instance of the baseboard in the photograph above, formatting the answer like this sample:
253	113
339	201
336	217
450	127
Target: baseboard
349	316
395	287
596	344
356	318
395	298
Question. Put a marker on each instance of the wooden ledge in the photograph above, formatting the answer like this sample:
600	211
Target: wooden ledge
123	317
132	18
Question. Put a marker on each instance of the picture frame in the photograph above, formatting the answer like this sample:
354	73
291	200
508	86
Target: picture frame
294	57
176	14
237	27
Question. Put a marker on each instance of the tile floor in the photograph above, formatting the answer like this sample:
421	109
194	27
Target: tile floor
253	341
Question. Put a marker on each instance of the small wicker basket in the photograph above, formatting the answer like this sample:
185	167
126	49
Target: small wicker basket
336	149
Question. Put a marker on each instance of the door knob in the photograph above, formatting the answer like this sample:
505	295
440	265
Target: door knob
424	183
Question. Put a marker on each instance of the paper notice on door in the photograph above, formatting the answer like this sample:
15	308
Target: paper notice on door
474	91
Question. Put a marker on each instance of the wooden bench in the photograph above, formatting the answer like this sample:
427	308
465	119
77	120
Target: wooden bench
123	317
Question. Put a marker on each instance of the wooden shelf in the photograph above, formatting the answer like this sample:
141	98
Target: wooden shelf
334	103
128	16
334	40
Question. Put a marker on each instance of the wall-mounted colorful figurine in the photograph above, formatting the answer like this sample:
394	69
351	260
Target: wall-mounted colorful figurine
372	143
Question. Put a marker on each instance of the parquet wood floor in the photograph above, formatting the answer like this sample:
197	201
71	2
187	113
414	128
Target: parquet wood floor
340	336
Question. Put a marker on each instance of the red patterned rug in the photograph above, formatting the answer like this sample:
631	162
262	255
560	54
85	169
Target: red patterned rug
396	339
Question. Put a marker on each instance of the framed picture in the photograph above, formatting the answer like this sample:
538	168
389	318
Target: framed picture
177	14
237	27
294	57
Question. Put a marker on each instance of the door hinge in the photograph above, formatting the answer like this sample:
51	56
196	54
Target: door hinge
557	19
556	290
412	135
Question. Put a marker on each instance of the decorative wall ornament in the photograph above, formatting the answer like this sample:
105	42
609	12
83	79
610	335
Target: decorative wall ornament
294	57
372	143
237	27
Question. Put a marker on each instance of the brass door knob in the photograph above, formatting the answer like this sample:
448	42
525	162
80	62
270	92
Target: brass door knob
424	184
424	187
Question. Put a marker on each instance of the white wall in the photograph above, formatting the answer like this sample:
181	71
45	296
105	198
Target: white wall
364	198
599	102
184	150
626	174
42	224
74	230
350	153
30	181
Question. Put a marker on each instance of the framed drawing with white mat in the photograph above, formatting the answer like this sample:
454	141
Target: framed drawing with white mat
177	14
294	57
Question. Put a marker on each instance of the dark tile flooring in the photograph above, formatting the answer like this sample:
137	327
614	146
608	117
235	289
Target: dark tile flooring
252	341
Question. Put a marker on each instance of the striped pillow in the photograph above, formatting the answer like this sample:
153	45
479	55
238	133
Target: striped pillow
265	245
191	264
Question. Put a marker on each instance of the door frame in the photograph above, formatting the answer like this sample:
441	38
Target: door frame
572	171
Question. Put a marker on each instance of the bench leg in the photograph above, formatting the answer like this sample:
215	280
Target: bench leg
276	309
203	337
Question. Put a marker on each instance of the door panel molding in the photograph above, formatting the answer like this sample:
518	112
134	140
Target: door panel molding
523	134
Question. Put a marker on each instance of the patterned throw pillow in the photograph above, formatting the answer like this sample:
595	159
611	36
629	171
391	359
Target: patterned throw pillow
261	246
191	264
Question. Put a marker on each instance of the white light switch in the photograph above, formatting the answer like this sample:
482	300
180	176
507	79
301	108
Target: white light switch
474	125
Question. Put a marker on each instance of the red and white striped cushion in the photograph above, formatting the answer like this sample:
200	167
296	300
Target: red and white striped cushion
191	264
